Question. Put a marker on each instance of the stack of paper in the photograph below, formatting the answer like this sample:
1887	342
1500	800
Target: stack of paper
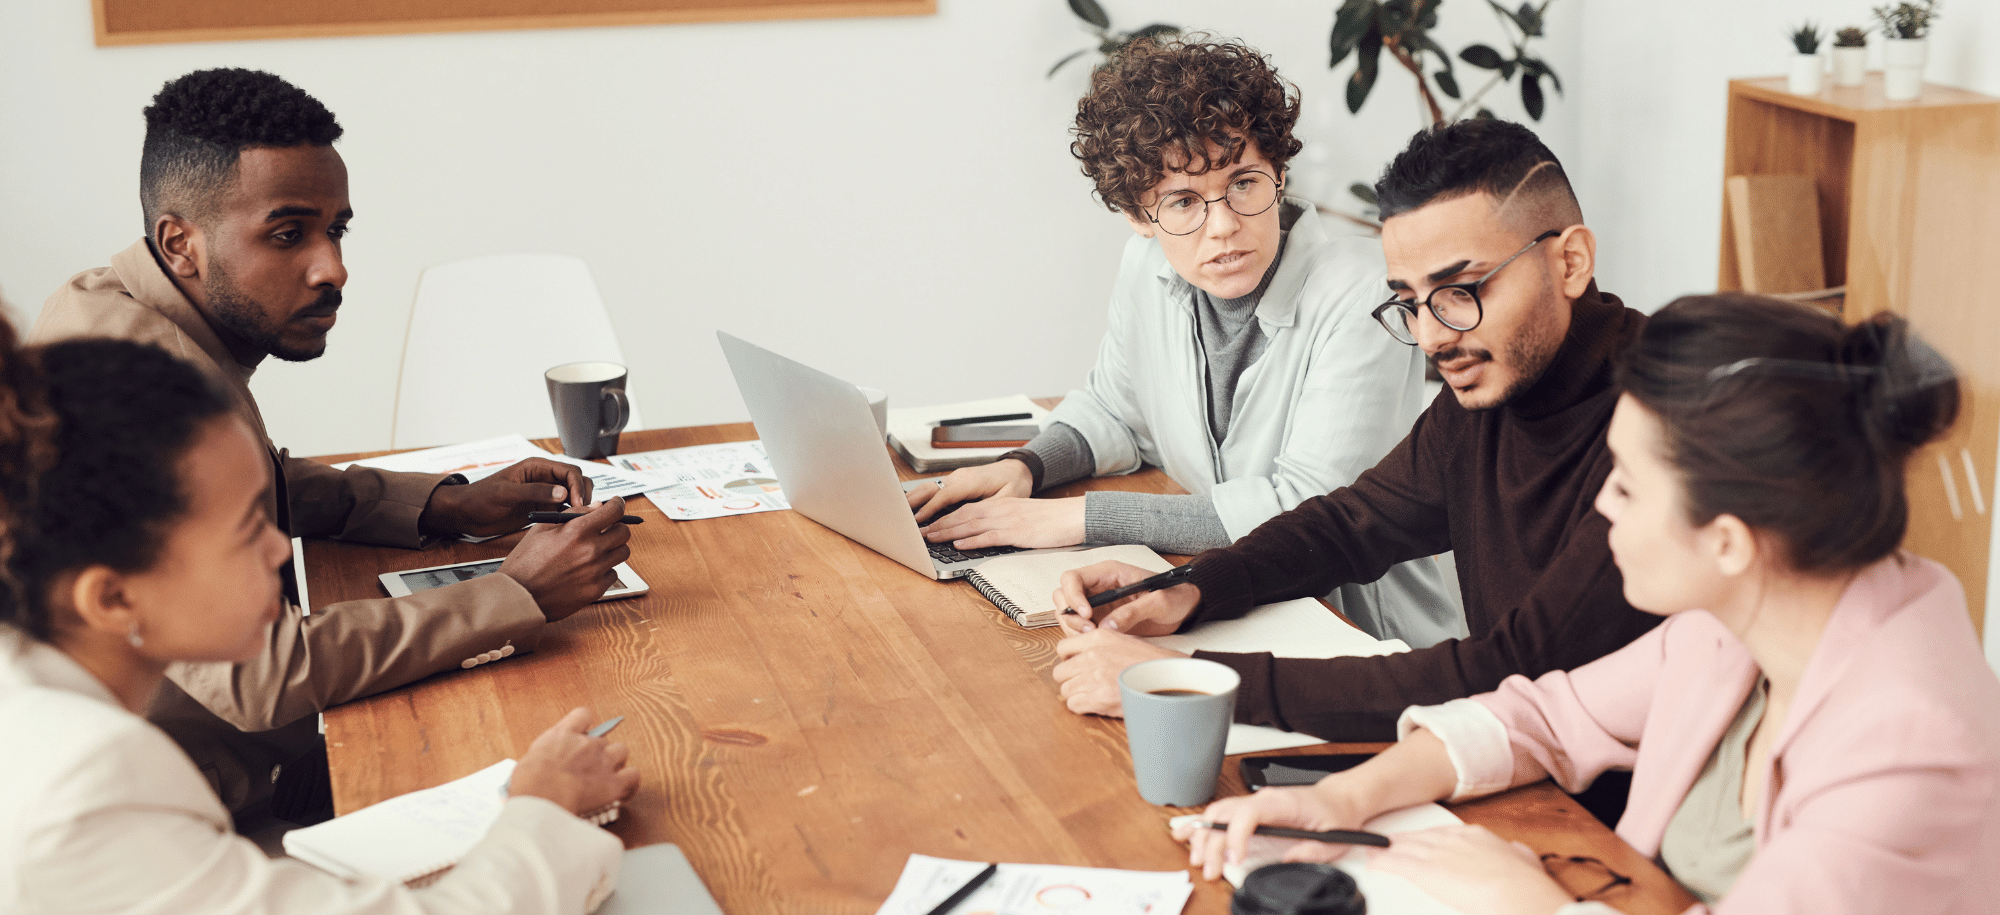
910	432
710	481
1301	628
479	460
927	881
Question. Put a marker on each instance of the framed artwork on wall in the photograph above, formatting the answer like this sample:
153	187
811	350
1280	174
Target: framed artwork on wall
123	22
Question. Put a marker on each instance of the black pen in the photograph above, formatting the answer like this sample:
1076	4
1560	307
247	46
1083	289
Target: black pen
560	517
975	420
1162	581
1336	836
950	902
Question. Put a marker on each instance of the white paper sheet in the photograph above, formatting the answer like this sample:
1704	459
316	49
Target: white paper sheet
1301	628
710	481
482	459
1387	894
927	881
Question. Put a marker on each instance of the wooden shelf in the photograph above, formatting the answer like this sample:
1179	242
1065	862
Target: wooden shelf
1909	200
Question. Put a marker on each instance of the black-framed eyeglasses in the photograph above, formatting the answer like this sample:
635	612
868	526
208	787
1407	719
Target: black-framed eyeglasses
1583	877
1183	212
1455	305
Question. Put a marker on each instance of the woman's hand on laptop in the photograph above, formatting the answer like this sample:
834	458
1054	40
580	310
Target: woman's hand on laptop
1008	521
1002	479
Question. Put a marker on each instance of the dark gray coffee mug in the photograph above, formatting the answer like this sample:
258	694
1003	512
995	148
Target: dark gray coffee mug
1177	715
591	409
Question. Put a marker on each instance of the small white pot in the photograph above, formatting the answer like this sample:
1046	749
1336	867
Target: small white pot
1806	70
1903	68
1850	65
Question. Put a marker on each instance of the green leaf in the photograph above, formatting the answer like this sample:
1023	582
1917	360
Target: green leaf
1349	25
1072	56
1364	193
1485	114
1531	94
1506	69
1424	42
1368	57
1445	81
1481	56
1509	14
1530	20
1089	11
1541	68
1155	30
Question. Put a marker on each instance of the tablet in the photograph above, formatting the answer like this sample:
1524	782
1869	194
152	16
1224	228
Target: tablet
626	583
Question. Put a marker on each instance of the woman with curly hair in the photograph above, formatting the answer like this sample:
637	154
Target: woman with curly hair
1812	729
130	543
1241	357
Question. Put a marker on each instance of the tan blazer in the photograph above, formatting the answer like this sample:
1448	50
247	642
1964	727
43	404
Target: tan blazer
103	815
339	653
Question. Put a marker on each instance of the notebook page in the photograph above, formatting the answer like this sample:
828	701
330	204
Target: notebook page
1028	580
406	837
1300	628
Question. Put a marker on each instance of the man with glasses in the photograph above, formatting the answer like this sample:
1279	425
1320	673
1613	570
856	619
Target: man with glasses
1240	356
1490	268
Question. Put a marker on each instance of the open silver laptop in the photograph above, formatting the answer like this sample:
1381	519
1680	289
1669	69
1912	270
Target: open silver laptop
830	459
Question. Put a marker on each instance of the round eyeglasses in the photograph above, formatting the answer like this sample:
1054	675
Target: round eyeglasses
1455	305
1183	212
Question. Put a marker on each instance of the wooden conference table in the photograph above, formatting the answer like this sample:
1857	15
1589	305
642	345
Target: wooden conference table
807	713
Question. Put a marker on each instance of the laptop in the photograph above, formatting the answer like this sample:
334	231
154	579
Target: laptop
829	457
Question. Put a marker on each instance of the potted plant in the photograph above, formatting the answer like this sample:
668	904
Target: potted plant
1806	64
1904	28
1850	56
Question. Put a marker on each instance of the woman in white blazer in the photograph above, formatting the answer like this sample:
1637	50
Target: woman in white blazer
129	545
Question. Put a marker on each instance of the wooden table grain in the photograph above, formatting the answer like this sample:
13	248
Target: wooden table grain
807	713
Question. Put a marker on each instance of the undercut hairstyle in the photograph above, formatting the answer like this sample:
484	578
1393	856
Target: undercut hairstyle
1795	423
1156	106
104	464
198	126
1501	159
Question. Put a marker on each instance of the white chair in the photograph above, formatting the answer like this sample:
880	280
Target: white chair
482	331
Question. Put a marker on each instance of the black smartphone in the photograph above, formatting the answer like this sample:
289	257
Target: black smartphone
1279	771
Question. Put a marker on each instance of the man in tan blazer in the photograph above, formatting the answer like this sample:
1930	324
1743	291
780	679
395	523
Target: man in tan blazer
246	202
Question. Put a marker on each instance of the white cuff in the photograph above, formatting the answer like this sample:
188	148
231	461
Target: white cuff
1590	907
1475	740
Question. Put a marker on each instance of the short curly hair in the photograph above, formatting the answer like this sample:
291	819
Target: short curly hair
1158	104
200	123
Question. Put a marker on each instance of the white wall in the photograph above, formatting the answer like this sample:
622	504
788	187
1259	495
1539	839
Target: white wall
890	199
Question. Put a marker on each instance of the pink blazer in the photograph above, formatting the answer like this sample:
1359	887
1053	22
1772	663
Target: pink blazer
1887	766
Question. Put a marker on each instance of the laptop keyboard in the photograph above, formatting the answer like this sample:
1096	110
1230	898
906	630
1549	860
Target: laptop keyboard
943	552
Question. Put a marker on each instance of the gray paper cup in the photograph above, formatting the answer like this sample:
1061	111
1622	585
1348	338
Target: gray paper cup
1177	739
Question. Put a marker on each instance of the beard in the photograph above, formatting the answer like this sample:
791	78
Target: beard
243	316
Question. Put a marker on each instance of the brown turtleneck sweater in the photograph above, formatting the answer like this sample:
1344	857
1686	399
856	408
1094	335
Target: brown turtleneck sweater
1508	491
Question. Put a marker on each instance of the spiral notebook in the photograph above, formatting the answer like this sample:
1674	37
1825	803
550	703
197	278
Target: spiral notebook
1020	585
416	837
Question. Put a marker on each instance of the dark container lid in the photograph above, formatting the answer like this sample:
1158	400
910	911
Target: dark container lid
1298	889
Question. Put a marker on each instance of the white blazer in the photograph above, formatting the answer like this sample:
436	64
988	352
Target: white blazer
101	812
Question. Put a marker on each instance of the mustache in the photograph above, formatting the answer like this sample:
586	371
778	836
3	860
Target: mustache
327	303
1446	357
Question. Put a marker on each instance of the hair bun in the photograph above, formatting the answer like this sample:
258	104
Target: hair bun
1906	393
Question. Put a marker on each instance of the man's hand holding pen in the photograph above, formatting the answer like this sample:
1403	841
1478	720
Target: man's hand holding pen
1103	641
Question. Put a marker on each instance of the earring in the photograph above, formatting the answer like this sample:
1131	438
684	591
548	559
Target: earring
133	636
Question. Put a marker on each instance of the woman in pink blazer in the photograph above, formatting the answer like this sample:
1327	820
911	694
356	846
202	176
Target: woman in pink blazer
1812	730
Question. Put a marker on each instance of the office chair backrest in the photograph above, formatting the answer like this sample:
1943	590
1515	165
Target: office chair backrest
482	331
